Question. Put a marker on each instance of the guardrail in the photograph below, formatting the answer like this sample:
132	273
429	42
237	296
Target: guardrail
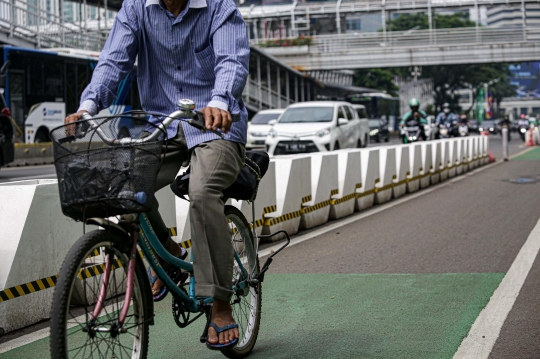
32	154
298	192
351	43
352	6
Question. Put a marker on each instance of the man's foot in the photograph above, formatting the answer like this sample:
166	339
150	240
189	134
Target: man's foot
222	317
177	251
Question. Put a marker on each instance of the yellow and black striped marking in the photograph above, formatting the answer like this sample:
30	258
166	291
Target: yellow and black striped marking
344	198
317	206
283	218
306	199
27	288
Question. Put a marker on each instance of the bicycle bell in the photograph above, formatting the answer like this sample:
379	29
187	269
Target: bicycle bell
186	104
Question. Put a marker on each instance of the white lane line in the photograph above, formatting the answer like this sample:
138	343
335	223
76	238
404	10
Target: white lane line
45	332
487	327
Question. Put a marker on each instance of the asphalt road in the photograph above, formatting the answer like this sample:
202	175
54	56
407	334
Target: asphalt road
404	280
47	172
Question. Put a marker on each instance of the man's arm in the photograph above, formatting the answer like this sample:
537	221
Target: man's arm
231	49
115	62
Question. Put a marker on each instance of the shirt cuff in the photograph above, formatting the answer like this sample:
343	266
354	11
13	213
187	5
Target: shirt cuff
90	106
219	104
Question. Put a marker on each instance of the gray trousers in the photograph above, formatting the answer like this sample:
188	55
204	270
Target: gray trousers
214	167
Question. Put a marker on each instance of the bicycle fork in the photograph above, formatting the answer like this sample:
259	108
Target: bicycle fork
109	264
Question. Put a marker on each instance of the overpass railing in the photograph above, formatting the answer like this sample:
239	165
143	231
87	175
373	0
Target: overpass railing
358	42
41	28
352	6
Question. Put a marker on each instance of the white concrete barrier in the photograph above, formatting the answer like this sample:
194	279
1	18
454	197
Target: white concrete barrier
387	170
485	139
460	159
445	163
324	182
465	153
370	176
403	170
349	177
453	159
436	162
35	238
427	165
293	187
416	166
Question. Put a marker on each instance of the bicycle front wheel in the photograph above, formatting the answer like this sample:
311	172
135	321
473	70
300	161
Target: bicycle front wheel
73	333
247	303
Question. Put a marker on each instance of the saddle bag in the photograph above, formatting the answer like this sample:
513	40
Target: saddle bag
246	185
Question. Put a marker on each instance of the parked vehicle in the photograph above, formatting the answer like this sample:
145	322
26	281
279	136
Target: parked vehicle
259	127
378	130
316	126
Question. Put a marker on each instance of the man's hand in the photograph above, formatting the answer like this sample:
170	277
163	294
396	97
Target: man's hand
214	119
74	117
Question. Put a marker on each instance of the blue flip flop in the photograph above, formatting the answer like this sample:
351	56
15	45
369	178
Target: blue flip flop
172	271
219	330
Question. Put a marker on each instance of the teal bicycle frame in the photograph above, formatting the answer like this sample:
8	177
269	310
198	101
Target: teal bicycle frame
150	246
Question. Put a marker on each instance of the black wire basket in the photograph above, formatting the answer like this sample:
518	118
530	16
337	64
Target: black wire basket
98	177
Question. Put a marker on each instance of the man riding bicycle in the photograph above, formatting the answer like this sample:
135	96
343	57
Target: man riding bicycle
196	49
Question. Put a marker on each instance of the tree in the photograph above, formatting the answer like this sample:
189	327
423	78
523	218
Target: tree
420	21
382	79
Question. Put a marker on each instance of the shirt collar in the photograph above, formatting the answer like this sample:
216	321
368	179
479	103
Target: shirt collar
193	4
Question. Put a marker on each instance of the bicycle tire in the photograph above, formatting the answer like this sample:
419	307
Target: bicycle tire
70	301
247	336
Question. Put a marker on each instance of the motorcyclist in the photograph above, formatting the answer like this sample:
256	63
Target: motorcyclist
445	116
463	120
415	115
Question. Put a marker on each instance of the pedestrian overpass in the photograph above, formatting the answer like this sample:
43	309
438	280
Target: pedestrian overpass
413	48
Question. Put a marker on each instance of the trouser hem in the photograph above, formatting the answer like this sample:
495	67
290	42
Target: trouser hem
211	290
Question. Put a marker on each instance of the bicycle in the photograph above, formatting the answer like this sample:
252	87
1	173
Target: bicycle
103	302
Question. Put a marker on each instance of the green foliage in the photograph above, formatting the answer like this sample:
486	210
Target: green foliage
381	79
420	21
299	41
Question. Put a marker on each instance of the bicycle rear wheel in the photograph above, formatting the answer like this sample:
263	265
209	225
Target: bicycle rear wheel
73	334
247	303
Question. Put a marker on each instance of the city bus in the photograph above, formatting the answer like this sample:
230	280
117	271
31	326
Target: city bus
41	86
378	105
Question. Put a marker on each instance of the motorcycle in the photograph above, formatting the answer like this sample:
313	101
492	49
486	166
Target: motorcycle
463	129
412	132
444	132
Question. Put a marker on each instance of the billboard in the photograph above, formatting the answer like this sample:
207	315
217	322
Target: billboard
526	77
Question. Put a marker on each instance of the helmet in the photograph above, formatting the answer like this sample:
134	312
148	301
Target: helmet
446	107
414	104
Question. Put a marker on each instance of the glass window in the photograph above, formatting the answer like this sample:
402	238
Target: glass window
361	112
307	114
341	113
264	118
354	24
350	113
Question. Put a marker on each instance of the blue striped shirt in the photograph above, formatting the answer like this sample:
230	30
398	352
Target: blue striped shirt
202	55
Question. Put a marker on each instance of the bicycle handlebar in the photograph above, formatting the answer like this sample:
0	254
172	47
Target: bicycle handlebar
185	113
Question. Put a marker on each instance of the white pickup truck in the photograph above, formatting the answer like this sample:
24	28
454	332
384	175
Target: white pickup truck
317	126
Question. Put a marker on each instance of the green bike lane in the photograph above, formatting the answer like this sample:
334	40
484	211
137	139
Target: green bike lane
407	282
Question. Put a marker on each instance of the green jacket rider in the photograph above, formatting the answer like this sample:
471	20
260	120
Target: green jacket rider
414	104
